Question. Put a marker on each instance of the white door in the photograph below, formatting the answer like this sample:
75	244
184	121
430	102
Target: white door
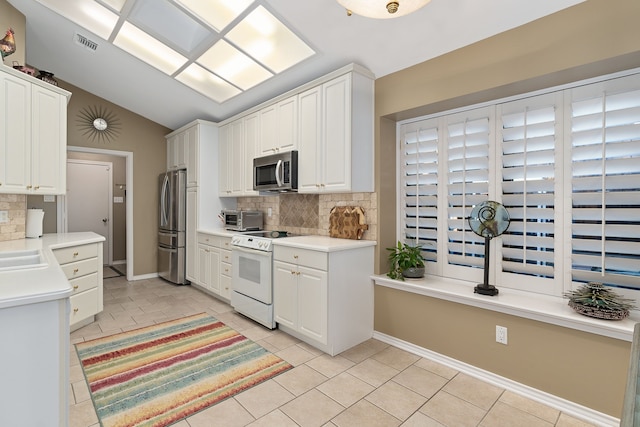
89	199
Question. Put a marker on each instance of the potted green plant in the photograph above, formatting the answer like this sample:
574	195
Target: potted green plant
405	261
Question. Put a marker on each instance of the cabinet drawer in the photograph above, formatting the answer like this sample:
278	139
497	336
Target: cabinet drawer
225	256
208	239
225	286
225	243
226	269
80	268
76	253
83	305
313	259
84	283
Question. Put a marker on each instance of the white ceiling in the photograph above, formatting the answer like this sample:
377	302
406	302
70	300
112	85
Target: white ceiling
382	46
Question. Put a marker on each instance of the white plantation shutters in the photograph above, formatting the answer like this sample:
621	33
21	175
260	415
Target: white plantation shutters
565	164
419	186
530	144
605	182
468	137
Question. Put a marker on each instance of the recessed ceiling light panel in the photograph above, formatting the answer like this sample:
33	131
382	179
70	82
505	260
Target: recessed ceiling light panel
207	83
143	46
115	4
218	13
269	41
233	65
167	22
86	13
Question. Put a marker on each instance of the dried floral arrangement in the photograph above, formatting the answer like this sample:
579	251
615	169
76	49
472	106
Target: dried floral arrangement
596	300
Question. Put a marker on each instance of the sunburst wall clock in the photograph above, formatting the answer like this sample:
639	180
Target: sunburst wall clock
98	124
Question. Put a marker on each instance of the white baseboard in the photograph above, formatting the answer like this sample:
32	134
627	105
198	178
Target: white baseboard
570	408
145	276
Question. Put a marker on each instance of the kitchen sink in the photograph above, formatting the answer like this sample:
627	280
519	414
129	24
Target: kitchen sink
15	260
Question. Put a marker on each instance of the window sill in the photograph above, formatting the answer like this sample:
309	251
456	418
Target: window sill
543	308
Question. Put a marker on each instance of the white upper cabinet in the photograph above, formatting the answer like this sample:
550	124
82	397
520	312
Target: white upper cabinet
33	135
336	136
279	126
251	147
231	160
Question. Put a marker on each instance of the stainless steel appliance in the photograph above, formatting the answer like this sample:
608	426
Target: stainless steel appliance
172	226
239	220
252	278
276	172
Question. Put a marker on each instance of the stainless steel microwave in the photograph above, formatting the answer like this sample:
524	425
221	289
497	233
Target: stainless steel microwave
276	172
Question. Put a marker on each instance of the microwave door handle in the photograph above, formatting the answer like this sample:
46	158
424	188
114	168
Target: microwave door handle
278	173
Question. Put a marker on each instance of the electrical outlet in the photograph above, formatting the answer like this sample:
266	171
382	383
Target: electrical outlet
4	217
501	334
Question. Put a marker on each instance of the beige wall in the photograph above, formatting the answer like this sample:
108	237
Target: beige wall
145	139
590	39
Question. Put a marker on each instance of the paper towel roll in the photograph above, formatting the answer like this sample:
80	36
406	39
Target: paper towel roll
34	223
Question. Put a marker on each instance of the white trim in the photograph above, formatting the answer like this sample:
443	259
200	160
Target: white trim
141	276
128	155
528	305
575	410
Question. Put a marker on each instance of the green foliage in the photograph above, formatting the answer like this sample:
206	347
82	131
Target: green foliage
598	296
402	257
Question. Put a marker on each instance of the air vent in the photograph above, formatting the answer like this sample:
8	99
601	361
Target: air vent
83	41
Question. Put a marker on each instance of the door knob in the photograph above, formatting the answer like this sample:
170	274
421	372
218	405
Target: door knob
105	220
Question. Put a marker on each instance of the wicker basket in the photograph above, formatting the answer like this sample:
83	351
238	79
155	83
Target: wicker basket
599	313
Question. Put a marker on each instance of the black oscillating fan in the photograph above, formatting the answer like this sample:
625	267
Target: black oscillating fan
488	219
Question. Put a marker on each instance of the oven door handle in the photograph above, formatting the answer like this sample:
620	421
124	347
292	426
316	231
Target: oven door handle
250	251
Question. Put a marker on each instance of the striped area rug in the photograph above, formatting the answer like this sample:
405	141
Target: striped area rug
158	375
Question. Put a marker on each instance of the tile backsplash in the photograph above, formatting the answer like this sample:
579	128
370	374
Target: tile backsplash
16	205
309	213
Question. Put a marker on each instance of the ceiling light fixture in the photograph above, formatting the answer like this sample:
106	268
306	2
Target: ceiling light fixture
382	9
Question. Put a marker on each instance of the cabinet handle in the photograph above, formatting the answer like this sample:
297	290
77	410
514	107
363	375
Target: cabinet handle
75	287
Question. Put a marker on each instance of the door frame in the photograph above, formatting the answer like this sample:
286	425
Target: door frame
108	258
128	155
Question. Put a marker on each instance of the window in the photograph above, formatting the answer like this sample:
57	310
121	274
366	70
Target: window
565	164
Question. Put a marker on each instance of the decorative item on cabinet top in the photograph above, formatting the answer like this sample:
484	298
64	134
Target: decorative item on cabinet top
347	222
98	123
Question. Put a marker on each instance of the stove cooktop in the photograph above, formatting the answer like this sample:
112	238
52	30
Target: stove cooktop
259	240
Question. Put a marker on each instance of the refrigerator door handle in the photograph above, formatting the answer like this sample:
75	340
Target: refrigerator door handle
164	219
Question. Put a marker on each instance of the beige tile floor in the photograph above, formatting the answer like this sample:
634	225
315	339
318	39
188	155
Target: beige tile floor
372	384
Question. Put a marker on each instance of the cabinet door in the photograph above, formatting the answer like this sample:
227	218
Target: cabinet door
251	150
268	130
309	131
15	134
287	124
285	294
48	141
192	241
336	125
204	266
312	303
224	166
236	159
214	262
191	140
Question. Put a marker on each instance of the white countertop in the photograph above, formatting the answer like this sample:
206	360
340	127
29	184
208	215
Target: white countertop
322	243
217	232
34	285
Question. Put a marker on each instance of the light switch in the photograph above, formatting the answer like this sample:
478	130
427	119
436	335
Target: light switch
50	198
118	199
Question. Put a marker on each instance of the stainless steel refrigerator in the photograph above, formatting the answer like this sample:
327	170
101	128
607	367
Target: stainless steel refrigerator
172	227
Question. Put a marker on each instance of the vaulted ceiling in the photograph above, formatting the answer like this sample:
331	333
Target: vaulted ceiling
335	39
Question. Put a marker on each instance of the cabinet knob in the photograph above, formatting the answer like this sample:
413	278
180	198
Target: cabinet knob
75	310
75	254
293	272
295	257
75	270
36	187
29	187
75	287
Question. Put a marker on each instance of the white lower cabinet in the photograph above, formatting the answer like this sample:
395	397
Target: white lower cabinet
82	265
213	265
208	262
191	245
324	297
